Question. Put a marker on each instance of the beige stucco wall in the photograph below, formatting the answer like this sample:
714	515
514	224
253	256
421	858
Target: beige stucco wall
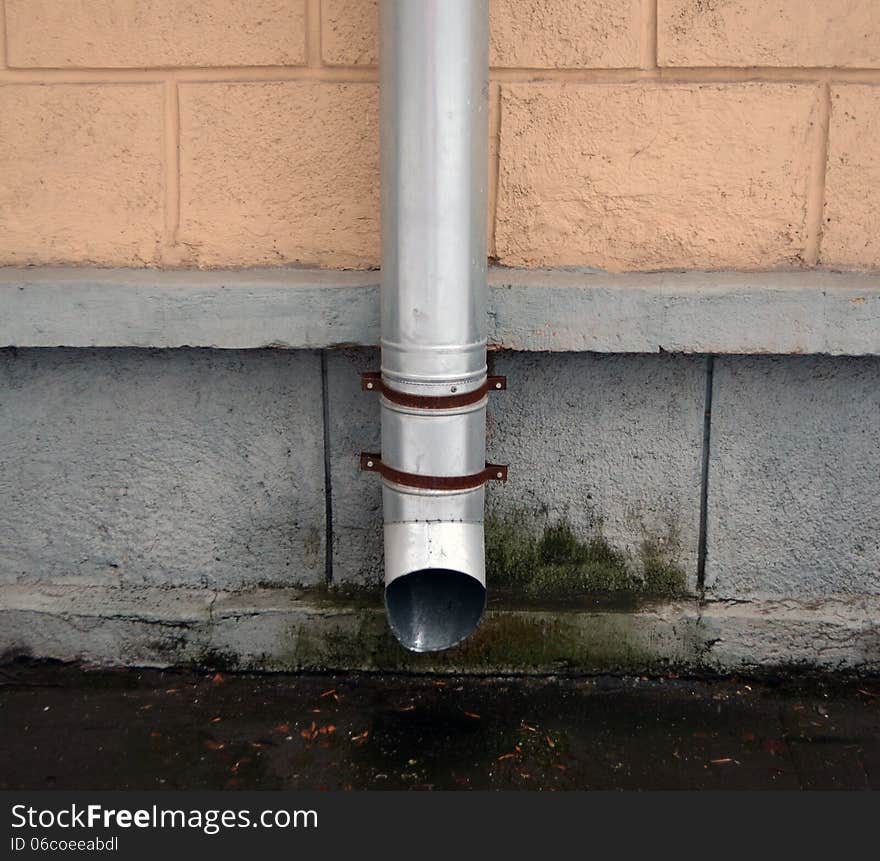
625	134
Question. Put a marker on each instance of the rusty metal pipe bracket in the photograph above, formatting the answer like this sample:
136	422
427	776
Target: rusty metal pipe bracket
372	462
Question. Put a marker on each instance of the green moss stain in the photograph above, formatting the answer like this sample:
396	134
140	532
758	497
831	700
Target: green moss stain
536	575
348	595
560	601
506	641
216	659
661	575
529	641
353	639
555	563
313	546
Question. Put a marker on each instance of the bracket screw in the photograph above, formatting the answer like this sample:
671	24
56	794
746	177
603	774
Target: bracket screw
370	464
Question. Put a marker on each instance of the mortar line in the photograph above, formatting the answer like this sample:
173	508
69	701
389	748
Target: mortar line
4	47
313	34
495	166
694	74
189	74
370	74
648	34
328	482
703	543
816	190
171	145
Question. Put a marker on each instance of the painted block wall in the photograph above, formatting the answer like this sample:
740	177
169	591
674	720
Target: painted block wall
194	505
624	134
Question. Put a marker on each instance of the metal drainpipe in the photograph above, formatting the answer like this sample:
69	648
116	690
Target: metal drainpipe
433	384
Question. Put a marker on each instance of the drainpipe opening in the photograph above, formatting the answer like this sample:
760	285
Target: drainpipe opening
435	576
434	608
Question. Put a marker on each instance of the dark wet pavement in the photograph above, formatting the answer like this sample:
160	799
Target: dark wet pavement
67	728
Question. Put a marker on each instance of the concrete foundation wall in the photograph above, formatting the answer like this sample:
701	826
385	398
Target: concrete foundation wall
794	477
609	445
170	468
178	505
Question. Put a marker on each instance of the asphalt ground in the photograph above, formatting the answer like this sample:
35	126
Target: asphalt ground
66	727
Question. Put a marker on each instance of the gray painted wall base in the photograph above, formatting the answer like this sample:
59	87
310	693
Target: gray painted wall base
794	478
283	629
611	445
173	467
175	490
813	311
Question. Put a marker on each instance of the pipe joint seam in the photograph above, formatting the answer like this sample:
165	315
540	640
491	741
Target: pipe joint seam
371	381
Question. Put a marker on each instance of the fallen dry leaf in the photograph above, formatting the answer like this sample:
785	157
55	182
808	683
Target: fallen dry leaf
721	760
473	715
506	756
239	763
218	679
330	693
283	728
360	739
210	744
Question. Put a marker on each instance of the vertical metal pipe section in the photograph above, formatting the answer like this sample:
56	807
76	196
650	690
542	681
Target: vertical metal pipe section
434	129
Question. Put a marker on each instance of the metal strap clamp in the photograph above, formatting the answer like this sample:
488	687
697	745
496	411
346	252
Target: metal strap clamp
372	462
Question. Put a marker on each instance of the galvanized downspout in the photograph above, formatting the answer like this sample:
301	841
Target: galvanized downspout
433	383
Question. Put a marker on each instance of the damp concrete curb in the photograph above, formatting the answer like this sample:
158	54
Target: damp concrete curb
311	630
